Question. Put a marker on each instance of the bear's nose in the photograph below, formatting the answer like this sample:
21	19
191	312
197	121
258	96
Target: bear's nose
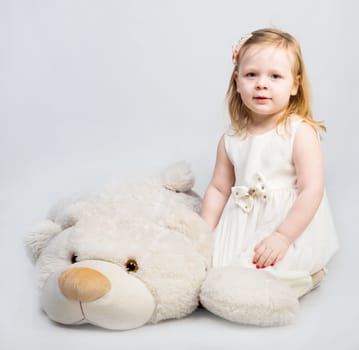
83	284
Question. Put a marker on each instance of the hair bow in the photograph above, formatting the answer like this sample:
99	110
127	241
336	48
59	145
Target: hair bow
236	48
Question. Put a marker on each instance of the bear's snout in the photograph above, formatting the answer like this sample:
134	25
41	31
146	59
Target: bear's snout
83	284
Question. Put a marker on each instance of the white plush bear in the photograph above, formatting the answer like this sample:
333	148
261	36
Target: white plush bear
124	258
142	254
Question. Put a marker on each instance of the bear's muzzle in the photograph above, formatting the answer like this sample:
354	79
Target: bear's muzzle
83	284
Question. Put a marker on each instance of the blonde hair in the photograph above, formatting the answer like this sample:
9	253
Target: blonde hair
298	104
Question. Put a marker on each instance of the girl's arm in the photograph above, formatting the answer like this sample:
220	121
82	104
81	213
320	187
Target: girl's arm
219	189
308	162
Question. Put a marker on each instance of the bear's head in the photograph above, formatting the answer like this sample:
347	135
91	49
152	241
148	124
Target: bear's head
124	258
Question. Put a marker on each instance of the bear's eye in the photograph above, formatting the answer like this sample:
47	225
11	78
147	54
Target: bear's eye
74	258
131	265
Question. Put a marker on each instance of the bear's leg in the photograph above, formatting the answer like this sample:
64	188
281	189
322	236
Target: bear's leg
248	296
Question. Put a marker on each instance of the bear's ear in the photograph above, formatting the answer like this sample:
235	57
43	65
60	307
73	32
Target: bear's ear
68	212
178	177
39	237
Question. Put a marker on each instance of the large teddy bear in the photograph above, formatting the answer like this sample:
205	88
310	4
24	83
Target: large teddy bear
141	254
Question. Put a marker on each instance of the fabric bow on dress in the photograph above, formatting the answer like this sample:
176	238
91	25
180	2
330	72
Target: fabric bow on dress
244	196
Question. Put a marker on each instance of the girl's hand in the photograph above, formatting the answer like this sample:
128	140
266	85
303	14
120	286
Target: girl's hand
270	250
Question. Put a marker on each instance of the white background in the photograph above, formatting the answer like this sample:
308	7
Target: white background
95	91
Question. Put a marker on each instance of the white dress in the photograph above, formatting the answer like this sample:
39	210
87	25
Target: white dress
264	191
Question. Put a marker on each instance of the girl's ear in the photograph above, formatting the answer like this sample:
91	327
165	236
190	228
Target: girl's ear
235	78
296	84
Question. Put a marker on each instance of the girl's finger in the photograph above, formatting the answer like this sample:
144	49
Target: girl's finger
264	256
277	259
259	251
271	259
258	254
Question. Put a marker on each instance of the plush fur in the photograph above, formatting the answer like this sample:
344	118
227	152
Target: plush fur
141	254
146	240
249	296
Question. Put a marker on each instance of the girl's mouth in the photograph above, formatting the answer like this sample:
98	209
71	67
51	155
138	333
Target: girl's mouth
261	98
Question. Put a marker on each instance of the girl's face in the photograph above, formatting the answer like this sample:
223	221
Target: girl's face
265	80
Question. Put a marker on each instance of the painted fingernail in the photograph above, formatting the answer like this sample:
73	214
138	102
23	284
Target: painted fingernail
257	267
272	264
254	262
263	267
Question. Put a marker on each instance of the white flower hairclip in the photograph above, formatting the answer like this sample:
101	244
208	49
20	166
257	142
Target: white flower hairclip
236	48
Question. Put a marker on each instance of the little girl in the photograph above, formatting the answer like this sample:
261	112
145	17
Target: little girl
266	200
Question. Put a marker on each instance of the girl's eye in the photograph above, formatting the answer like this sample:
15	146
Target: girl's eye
250	75
275	76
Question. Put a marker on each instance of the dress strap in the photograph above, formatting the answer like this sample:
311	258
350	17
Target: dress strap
295	121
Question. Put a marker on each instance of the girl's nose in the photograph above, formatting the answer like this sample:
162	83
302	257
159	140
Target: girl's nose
261	83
